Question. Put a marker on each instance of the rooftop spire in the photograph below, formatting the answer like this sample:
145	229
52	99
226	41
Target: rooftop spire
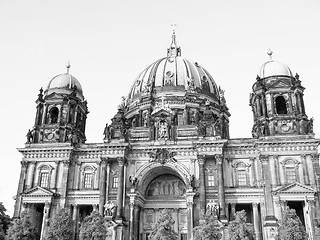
173	50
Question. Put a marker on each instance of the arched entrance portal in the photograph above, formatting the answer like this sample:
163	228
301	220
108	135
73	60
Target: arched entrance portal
164	188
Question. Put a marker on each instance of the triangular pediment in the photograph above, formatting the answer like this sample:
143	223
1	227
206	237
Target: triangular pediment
281	84
54	95
38	191
295	188
162	111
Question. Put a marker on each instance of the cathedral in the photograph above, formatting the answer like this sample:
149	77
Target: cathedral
168	147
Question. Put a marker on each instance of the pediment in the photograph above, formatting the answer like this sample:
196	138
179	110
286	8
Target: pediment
162	111
281	84
38	192
54	95
295	188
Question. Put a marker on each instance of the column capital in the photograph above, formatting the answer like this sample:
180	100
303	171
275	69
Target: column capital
264	159
218	158
24	164
122	161
255	204
104	160
315	157
201	159
66	163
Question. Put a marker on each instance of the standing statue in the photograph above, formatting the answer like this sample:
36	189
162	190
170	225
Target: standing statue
106	132
213	208
133	180
29	136
109	208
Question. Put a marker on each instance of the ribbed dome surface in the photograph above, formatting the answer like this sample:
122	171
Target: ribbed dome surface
274	68
173	71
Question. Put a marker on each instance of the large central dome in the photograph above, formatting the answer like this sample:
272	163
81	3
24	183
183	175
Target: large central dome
173	73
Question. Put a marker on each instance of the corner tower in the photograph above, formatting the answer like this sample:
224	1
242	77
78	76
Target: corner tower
61	112
277	102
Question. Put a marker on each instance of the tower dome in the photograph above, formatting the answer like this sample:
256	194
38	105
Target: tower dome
65	83
274	68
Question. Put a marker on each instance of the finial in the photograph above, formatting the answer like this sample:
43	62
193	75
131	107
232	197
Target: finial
173	50
270	53
173	25
68	67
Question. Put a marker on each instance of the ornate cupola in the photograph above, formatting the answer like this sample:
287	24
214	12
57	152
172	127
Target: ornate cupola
171	99
61	112
277	102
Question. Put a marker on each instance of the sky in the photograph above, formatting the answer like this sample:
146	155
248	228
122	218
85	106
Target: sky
108	43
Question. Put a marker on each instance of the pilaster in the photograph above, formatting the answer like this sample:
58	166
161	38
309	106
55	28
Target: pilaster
202	186
221	194
17	206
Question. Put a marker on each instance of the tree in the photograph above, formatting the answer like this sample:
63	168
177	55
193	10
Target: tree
22	229
291	227
163	229
239	229
60	226
4	221
209	227
93	227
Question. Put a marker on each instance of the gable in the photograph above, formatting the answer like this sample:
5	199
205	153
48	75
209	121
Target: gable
295	188
38	191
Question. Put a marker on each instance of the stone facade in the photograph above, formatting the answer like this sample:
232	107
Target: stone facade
168	146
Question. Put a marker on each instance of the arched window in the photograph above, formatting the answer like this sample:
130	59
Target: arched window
88	177
281	106
291	167
241	174
54	113
44	174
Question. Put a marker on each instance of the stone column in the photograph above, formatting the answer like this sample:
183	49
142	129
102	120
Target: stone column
253	172
121	162
310	218
202	186
233	211
55	176
131	221
221	195
272	104
316	167
256	221
17	206
108	180
190	196
270	219
272	171
102	185
30	174
64	182
136	221
46	211
264	110
75	215
305	169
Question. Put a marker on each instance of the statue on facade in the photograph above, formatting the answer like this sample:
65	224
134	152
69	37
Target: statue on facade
133	180
213	208
163	132
29	136
109	208
106	132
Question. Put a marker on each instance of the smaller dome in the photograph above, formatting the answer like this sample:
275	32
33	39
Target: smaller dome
274	68
65	80
64	84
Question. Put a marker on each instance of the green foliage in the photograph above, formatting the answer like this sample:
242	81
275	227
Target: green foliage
60	226
163	229
291	227
239	229
22	229
209	227
4	221
93	227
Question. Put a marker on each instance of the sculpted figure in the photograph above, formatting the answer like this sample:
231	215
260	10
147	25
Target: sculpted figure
29	136
109	208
